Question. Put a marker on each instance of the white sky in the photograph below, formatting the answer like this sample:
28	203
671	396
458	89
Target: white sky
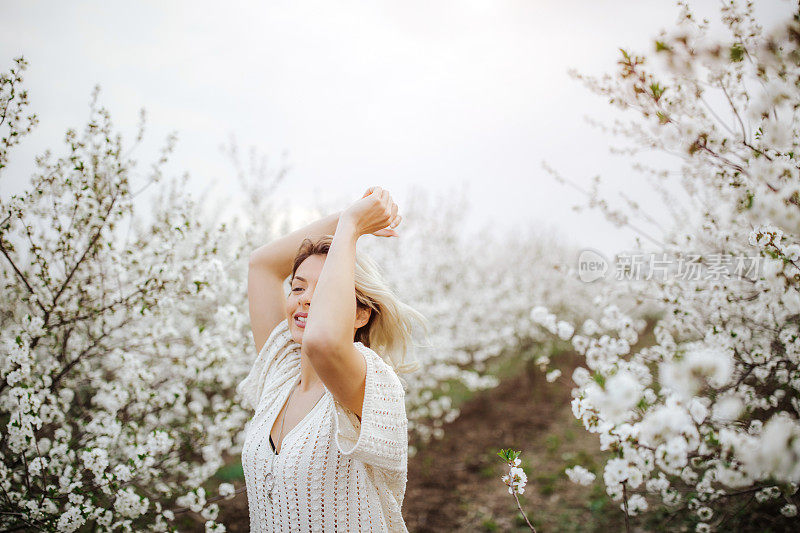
442	95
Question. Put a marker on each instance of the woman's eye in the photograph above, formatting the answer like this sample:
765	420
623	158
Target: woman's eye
297	289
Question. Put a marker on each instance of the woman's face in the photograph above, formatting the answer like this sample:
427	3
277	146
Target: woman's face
298	301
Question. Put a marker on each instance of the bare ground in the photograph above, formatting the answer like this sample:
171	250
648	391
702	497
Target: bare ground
454	484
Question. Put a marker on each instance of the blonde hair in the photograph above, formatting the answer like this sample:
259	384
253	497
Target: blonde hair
388	330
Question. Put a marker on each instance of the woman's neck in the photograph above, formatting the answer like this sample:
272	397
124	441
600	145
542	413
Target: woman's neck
309	379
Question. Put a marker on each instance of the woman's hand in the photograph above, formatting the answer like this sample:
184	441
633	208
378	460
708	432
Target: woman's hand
374	213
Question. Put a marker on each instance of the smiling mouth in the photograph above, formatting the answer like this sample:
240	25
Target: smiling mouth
300	321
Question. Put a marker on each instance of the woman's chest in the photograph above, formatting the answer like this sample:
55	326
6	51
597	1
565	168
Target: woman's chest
306	432
298	407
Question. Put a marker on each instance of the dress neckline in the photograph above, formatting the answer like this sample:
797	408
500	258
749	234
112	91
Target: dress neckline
302	420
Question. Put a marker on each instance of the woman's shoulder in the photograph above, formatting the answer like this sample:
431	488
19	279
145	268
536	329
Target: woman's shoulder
281	330
275	361
381	367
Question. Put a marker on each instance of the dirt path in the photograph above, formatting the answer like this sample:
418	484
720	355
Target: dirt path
454	484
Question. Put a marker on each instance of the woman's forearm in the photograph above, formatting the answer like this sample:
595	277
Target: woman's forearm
330	319
277	256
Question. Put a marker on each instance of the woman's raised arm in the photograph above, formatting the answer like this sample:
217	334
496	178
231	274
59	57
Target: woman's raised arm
270	265
277	256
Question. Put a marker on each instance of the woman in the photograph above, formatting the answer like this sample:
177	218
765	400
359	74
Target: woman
327	448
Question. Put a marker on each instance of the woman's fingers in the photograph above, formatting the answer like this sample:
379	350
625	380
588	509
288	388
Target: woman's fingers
390	208
386	200
386	232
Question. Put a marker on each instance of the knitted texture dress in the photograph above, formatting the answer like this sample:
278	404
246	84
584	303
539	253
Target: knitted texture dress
333	473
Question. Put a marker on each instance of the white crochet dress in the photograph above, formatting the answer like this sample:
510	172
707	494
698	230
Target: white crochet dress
333	473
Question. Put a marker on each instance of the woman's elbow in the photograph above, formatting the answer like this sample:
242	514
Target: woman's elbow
260	258
318	344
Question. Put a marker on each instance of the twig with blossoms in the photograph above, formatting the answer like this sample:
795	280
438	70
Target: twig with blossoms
515	479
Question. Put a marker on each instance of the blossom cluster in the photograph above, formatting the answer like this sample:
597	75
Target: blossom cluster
515	478
580	475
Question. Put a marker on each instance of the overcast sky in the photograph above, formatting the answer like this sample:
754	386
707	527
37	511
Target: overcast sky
442	95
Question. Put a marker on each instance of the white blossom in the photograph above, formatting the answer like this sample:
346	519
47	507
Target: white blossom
553	375
578	474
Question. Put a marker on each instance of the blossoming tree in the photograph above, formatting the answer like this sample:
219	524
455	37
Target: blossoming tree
704	423
114	382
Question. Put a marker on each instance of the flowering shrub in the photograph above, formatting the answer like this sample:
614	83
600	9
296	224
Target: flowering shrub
705	421
116	390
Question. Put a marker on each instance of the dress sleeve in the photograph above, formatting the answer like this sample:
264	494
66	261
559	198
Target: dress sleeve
272	360
380	438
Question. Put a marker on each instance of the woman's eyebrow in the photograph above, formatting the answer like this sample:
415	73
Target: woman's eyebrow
301	278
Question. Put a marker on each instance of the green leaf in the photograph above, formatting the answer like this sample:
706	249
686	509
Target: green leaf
657	90
737	52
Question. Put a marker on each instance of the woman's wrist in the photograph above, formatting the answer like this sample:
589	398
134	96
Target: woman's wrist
347	226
